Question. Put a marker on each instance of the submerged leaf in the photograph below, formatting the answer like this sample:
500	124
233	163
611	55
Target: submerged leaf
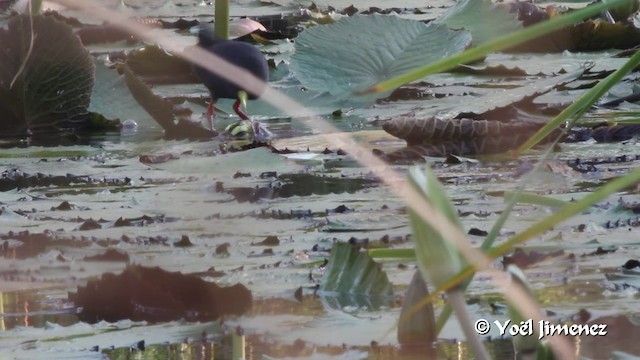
52	91
357	52
496	21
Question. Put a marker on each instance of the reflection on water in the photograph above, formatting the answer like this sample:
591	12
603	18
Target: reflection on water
93	138
181	351
32	309
255	347
36	309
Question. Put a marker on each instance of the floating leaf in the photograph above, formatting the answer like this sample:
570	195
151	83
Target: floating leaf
500	100
357	52
111	88
353	272
496	21
596	35
162	111
435	130
52	91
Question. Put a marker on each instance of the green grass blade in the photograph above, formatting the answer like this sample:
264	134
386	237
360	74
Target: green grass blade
498	44
535	199
583	103
437	257
568	211
571	209
392	253
466	276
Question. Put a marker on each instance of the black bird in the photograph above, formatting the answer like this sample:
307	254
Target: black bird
240	54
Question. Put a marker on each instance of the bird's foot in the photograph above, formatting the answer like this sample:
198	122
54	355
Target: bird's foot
249	131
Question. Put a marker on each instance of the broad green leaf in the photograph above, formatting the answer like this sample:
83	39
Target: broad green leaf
360	51
437	257
353	272
496	21
47	89
503	42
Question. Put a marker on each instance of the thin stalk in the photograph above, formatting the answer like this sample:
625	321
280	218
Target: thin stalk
221	18
36	6
456	299
238	346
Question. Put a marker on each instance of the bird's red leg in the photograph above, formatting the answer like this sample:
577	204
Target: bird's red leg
236	108
211	111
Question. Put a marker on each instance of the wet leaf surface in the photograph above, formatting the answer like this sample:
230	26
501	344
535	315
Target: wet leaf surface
392	46
268	218
31	92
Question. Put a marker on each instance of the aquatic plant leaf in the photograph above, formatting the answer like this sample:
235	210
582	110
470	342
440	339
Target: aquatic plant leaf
503	42
51	92
420	327
376	48
157	65
435	130
497	101
522	344
496	21
162	111
596	35
584	102
353	272
437	257
110	88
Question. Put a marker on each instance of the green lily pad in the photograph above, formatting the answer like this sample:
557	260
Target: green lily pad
484	20
357	52
52	91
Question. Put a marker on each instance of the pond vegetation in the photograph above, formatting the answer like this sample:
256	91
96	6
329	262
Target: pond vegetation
125	223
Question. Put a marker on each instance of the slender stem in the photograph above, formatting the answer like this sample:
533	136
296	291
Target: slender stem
36	5
222	19
456	299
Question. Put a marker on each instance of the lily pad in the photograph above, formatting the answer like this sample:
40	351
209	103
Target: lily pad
360	51
483	19
47	88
